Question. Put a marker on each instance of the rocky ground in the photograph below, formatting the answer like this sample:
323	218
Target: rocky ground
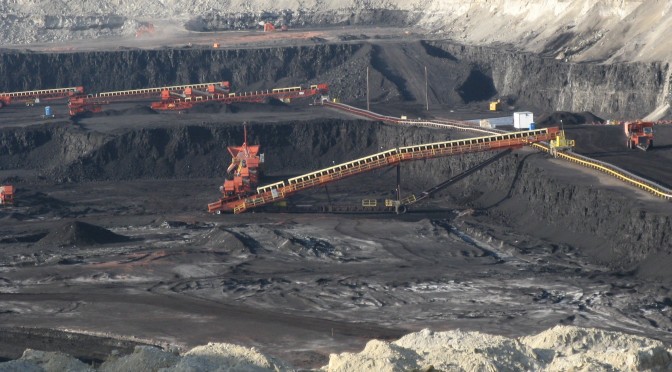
110	226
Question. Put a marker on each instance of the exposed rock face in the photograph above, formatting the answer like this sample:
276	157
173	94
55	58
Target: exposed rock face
577	29
459	74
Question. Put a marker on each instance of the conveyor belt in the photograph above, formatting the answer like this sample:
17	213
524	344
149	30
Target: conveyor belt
153	92
612	170
43	94
250	97
271	193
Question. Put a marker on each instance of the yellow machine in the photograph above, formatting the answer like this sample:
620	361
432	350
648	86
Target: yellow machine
496	105
561	143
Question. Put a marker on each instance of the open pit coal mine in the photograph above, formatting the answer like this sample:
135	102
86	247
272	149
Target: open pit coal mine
109	244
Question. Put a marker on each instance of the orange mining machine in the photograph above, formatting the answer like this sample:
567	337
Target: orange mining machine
242	175
270	27
639	134
94	102
249	198
31	97
183	101
6	195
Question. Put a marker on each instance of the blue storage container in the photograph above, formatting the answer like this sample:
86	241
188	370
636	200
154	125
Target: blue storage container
533	126
47	111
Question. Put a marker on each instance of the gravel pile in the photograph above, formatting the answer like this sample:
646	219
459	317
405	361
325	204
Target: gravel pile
80	234
561	348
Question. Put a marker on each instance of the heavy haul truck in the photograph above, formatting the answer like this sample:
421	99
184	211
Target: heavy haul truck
639	135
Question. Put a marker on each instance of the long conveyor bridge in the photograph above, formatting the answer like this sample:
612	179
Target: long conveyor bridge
281	190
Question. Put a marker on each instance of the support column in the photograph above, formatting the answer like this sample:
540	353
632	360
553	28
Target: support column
399	182
397	204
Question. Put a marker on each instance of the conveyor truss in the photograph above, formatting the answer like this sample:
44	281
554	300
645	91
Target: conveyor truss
560	148
281	190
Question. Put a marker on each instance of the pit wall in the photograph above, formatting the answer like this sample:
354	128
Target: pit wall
618	90
459	73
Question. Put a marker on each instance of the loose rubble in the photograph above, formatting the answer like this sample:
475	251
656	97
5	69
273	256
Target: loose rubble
561	348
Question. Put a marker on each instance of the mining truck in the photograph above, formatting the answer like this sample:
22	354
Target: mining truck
639	134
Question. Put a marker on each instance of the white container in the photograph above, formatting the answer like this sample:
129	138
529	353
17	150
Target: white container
522	120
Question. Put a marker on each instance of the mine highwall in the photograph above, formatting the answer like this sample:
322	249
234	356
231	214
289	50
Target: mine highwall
528	81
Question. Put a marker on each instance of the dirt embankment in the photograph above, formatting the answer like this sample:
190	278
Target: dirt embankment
458	74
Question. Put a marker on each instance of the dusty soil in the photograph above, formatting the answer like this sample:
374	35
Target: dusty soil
109	239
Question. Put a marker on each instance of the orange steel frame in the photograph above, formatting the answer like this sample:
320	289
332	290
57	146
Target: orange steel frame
380	160
250	97
46	94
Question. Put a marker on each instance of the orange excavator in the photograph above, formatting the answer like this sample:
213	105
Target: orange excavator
243	172
6	195
639	134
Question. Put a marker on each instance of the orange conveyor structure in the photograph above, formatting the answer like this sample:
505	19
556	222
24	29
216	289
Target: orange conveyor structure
280	190
31	96
93	102
289	93
621	174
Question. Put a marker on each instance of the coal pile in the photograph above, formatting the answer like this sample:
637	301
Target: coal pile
79	233
568	118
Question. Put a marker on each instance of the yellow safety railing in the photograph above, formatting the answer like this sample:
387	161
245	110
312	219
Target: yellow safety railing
582	160
631	179
386	158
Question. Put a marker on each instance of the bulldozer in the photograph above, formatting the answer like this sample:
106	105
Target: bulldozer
639	134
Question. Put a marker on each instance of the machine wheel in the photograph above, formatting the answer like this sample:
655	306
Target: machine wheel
650	144
628	144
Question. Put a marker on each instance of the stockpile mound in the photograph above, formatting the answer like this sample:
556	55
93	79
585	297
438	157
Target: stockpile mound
79	233
210	357
223	239
561	348
568	118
